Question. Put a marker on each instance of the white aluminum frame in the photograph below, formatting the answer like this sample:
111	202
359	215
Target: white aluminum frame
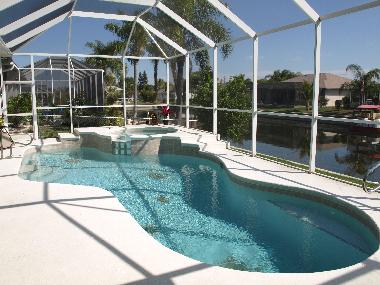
33	16
187	90
254	94
157	33
235	19
34	101
215	92
314	116
36	31
5	4
313	17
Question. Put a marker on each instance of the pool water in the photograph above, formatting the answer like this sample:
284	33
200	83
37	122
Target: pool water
150	131
192	206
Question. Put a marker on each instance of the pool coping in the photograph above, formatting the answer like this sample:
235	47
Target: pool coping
249	168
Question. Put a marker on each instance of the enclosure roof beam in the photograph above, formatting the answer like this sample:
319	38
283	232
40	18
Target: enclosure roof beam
235	19
307	9
134	25
4	50
102	16
156	43
5	4
36	31
161	36
33	16
358	8
185	24
135	2
286	27
171	14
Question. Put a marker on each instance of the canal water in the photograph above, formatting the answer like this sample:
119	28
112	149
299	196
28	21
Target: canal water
341	149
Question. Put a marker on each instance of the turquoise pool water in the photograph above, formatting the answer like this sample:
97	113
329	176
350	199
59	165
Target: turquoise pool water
192	206
150	130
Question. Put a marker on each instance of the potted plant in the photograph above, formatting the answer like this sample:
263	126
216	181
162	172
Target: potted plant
165	111
153	119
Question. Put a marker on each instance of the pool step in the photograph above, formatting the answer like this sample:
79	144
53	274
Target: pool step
121	147
67	137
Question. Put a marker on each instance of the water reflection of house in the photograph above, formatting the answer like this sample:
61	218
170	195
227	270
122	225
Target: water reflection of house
289	92
328	141
364	144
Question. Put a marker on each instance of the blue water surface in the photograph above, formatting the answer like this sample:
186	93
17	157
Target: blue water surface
192	206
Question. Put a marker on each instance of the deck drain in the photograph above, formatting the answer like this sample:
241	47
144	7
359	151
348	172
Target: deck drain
157	175
163	199
232	263
151	229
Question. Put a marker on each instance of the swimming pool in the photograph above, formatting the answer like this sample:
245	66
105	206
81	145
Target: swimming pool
150	130
191	205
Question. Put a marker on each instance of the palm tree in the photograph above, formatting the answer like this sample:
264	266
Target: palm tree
153	50
203	15
307	93
137	46
205	18
98	47
363	81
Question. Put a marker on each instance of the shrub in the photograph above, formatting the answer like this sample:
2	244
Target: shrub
21	103
148	94
346	102
323	101
338	104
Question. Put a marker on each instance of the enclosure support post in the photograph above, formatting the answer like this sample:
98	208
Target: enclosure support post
103	87
34	100
96	88
124	100
92	102
215	93
3	96
74	82
71	101
314	117
19	79
136	92
187	90
68	69
52	79
167	83
254	94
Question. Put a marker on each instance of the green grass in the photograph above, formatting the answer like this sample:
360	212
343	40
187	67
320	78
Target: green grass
322	172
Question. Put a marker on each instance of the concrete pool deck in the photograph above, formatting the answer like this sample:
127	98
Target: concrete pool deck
67	234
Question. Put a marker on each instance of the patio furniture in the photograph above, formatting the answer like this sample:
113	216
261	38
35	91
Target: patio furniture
371	112
6	141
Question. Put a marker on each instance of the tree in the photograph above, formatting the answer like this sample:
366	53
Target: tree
207	19
280	75
235	94
307	93
114	65
21	103
137	45
364	83
155	75
143	80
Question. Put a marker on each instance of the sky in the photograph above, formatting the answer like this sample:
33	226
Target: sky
349	39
